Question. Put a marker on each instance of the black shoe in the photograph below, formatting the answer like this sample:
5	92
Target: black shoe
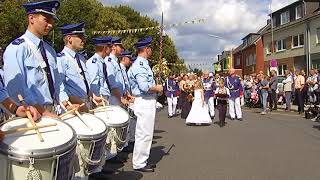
212	117
170	117
116	160
128	149
152	165
147	168
107	170
97	176
240	119
232	119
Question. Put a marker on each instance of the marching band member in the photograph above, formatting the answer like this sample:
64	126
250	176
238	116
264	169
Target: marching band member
30	67
71	64
145	90
97	69
209	86
233	83
126	61
11	106
115	77
171	89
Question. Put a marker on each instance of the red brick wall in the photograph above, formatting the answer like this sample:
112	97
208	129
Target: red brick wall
260	56
246	53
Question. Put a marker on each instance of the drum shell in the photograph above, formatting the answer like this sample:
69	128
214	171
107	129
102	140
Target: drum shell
15	163
121	128
24	155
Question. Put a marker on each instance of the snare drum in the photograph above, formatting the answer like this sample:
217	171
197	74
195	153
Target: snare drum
24	156
90	144
117	121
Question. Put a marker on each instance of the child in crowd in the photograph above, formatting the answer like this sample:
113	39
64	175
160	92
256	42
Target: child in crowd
222	94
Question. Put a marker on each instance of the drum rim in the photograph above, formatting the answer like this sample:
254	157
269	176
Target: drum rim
108	124
44	153
91	137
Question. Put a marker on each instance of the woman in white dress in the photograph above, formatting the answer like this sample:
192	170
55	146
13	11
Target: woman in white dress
199	114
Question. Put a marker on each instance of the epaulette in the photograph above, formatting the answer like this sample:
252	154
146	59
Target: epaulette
94	60
109	59
18	41
60	54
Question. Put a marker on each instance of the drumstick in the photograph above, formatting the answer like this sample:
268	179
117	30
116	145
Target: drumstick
71	111
30	117
80	117
103	101
95	102
27	129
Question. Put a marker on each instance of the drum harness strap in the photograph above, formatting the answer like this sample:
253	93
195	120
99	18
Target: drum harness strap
33	174
112	138
85	154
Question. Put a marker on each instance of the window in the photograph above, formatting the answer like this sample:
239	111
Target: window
238	61
298	41
250	59
282	69
247	61
285	17
318	35
281	45
298	12
274	21
268	50
254	59
245	42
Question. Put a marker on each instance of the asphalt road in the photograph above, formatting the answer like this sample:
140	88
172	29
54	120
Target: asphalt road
277	146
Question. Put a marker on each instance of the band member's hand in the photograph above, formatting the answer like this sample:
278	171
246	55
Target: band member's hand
73	106
50	115
1	136
130	98
159	88
124	102
21	112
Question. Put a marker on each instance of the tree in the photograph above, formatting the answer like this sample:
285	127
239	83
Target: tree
97	18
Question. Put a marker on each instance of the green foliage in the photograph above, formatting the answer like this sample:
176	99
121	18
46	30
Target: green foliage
97	18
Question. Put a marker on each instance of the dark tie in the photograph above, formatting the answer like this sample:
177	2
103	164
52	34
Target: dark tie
83	74
128	88
104	67
47	69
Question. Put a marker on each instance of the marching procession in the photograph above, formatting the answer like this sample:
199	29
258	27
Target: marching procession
83	112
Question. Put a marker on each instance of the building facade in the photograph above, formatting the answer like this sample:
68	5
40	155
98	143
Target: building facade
287	40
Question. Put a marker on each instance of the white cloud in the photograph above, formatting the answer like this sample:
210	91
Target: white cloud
230	19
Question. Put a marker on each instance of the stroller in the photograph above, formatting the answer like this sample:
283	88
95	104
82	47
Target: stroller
254	101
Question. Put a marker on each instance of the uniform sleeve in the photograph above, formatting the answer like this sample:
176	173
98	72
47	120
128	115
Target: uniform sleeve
112	75
63	96
94	82
142	79
15	75
3	93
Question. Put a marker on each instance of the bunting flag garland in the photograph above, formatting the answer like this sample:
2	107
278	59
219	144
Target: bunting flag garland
138	30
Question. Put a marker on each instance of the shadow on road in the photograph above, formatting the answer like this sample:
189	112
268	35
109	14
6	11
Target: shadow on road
159	131
126	175
316	127
157	154
157	137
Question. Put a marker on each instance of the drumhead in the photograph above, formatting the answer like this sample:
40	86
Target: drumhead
57	139
112	115
83	132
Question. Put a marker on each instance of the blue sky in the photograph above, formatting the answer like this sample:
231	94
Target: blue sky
230	19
